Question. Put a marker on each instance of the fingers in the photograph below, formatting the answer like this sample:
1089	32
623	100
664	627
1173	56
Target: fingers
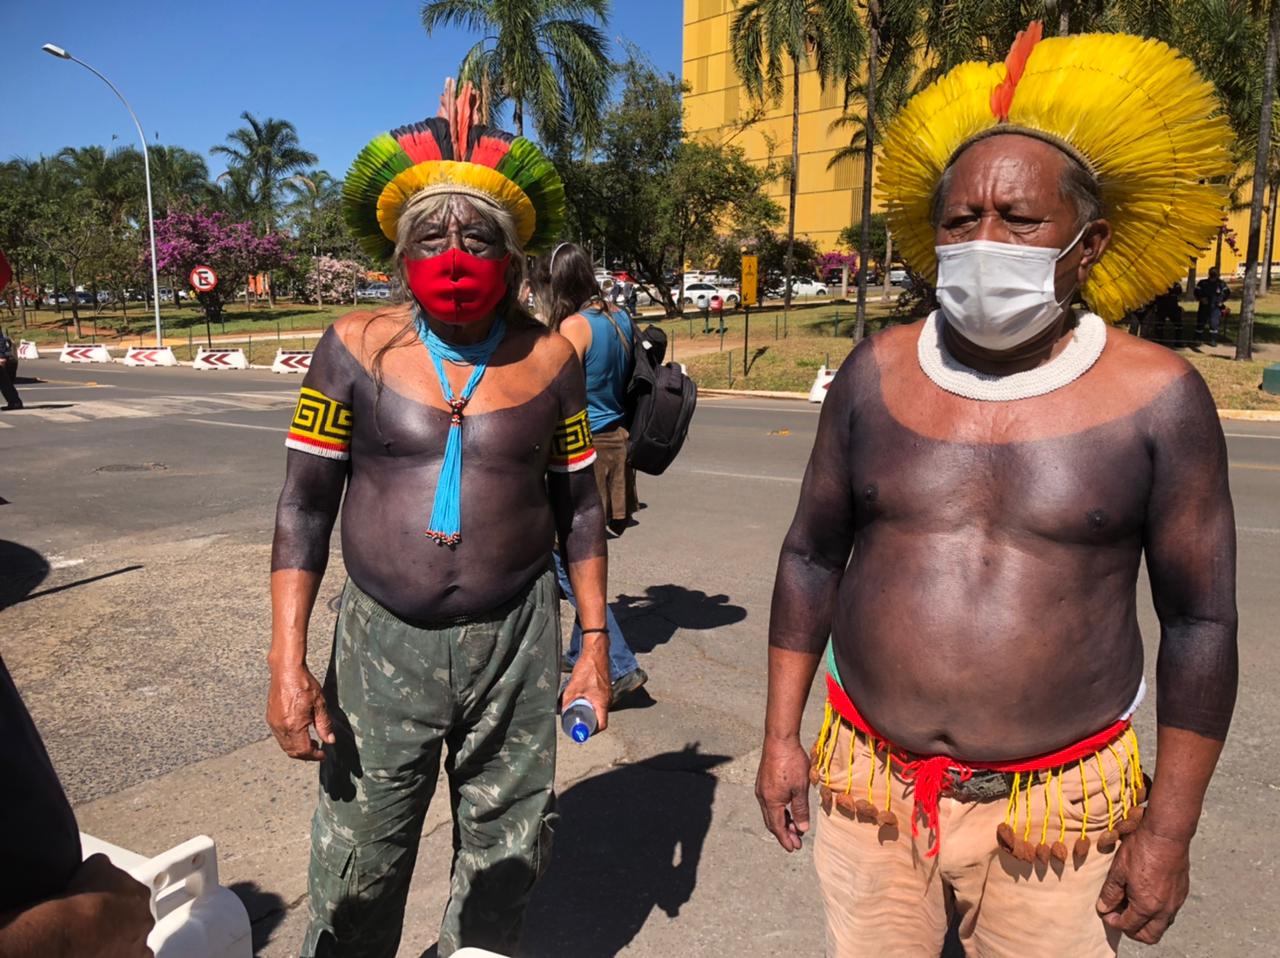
775	820
1112	894
800	811
323	724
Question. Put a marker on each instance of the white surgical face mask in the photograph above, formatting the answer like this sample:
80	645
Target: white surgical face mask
999	295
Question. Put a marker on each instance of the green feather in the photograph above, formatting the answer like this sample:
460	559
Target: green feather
528	167
376	166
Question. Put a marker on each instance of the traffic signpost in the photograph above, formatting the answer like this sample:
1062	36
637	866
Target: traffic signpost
204	279
750	297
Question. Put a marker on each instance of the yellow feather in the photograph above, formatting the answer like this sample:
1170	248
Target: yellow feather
1135	108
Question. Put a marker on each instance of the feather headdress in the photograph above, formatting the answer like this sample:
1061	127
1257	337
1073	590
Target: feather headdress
451	153
1133	110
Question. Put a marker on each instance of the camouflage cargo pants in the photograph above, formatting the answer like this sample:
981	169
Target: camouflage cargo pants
400	695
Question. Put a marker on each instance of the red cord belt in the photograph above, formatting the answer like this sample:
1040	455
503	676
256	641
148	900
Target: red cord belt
932	774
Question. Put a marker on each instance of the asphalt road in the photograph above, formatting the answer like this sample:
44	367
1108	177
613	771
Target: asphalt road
138	506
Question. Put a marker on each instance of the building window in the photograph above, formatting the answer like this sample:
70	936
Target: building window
846	173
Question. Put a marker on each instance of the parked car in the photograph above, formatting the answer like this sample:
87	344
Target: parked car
807	287
375	291
897	276
699	295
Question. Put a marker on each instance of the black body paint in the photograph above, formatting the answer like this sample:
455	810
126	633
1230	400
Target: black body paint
511	506
988	607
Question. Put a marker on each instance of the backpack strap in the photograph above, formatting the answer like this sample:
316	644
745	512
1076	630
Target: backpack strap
628	342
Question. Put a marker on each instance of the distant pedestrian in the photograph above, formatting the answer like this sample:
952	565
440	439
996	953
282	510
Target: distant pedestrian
631	296
576	307
1211	295
9	373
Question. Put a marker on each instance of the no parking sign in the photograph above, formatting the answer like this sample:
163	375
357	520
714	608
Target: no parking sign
203	279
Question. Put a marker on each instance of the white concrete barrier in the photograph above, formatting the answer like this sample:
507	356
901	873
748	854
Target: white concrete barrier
195	916
818	391
84	353
27	350
150	356
220	359
292	361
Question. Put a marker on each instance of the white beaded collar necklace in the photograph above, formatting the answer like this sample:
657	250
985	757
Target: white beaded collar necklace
948	373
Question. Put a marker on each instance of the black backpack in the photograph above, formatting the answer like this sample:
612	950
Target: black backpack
660	401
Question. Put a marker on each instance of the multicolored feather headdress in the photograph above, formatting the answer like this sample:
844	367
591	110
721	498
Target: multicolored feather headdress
451	153
1134	111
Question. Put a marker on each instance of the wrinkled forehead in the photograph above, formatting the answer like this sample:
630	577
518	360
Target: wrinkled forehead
1017	162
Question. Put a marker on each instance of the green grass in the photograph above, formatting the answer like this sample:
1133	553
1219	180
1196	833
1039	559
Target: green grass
113	327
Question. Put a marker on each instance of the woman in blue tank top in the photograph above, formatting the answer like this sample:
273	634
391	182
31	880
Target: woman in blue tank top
571	303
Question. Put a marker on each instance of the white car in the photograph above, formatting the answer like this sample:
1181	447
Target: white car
699	295
897	277
808	287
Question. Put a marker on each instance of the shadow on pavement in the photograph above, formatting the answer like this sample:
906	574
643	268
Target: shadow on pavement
266	911
652	619
21	570
629	840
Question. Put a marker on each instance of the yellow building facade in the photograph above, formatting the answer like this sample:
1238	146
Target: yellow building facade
717	107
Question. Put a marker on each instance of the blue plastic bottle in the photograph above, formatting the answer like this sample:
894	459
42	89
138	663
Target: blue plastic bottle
579	720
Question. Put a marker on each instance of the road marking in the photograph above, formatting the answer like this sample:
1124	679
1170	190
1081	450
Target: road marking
48	384
237	425
1248	435
167	405
742	475
1257	531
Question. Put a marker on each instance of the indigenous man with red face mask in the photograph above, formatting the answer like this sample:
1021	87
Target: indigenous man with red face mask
453	437
982	488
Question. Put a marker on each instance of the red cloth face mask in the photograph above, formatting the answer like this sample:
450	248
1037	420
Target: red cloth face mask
458	287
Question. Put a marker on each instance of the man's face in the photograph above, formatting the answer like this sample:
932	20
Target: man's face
458	225
1213	272
1006	189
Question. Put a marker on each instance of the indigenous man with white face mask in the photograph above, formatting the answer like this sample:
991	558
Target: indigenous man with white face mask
982	488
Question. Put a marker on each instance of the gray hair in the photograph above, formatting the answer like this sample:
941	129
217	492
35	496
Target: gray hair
429	203
1077	185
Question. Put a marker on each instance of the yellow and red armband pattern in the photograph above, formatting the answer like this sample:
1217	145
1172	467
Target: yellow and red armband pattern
321	426
572	447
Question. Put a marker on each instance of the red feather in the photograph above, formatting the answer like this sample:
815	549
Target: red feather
489	151
1015	63
419	145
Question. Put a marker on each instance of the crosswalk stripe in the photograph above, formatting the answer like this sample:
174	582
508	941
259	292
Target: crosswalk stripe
158	406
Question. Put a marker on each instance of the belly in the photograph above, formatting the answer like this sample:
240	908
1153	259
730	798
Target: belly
507	537
987	648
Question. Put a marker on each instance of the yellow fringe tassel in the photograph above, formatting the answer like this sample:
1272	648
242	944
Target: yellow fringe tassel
1044	829
848	772
1106	789
1124	781
871	776
888	780
831	753
1026	832
1011	810
1062	815
1084	790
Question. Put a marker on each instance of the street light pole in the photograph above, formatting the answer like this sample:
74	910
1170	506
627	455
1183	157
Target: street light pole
62	54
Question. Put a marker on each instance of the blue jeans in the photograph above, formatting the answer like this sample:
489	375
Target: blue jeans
622	661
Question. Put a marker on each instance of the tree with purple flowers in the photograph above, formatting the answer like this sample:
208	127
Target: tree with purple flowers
189	238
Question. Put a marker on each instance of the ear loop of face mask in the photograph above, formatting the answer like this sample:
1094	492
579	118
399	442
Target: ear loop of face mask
1057	259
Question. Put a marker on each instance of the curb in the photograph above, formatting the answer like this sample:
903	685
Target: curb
1250	415
1239	415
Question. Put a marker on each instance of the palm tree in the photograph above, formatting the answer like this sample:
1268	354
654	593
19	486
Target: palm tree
548	56
111	182
178	174
266	152
309	193
1248	299
824	33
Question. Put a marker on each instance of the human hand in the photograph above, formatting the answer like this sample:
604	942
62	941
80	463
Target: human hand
295	702
590	680
782	789
1147	884
112	911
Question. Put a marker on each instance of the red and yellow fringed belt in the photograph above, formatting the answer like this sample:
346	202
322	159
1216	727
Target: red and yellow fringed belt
932	775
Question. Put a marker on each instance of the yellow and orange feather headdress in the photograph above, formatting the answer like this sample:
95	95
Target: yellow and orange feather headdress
451	153
1133	110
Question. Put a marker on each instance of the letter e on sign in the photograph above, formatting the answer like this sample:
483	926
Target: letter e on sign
204	279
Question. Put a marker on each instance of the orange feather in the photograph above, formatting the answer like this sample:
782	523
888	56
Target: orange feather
1015	63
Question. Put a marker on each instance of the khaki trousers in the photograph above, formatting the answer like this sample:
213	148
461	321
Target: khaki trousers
883	897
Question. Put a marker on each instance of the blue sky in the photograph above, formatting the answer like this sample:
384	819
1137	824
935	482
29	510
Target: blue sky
340	71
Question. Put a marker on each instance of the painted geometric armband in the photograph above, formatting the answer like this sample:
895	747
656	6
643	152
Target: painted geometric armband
321	426
571	446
